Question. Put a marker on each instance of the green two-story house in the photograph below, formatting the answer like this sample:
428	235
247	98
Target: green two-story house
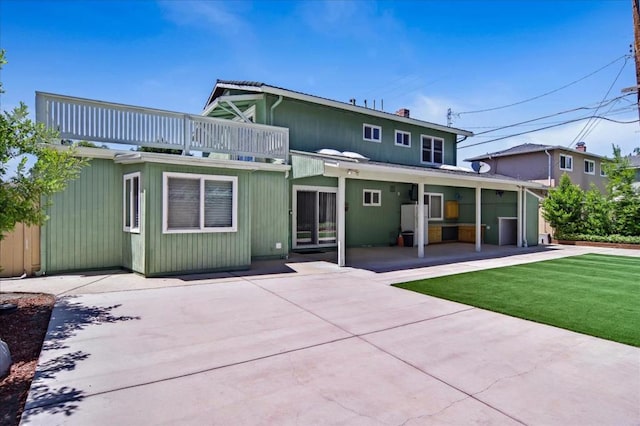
264	171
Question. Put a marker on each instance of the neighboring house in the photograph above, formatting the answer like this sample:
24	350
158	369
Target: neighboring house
268	171
546	164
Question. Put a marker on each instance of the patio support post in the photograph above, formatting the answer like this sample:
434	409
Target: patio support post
478	218
519	215
341	220
421	224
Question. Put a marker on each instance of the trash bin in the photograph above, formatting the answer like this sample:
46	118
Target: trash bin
407	236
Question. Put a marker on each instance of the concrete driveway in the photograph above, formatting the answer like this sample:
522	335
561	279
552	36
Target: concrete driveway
321	345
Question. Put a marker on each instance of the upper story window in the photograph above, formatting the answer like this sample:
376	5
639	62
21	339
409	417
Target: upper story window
566	162
432	149
371	133
131	202
403	138
590	167
371	197
199	203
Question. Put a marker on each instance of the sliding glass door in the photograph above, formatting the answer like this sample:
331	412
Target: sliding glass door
314	217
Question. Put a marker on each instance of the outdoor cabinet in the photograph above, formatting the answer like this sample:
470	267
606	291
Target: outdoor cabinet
451	209
435	234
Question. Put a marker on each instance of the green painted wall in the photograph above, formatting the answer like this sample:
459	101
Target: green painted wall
374	225
85	226
532	220
313	127
133	244
174	253
269	214
494	206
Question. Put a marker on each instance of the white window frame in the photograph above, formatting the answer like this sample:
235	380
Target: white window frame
570	168
403	133
371	139
131	214
433	140
202	178
371	193
593	167
429	195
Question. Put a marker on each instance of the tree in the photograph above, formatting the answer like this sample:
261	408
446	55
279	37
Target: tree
596	213
563	207
624	200
40	170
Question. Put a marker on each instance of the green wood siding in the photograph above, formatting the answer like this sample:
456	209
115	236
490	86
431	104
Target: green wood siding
85	226
374	225
269	214
133	244
313	127
494	206
532	220
176	253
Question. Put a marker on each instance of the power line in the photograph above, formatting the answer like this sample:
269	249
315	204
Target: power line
591	124
548	127
547	93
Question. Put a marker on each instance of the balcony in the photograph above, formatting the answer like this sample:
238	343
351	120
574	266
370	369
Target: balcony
97	121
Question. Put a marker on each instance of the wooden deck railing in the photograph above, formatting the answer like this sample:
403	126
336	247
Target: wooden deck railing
97	121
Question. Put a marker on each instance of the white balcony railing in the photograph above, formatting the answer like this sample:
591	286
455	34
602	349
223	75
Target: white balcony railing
97	121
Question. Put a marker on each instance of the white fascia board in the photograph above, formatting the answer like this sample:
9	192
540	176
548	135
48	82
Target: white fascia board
151	157
397	174
341	105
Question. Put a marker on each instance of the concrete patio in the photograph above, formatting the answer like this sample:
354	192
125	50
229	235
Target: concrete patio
307	342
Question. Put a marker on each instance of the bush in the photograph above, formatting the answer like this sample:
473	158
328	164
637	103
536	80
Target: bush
614	238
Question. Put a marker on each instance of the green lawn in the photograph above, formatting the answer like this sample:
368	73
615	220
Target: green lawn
591	294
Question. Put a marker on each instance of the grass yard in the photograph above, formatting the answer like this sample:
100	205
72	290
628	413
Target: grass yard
592	294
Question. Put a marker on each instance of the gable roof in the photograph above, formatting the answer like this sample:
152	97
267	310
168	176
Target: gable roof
258	87
527	148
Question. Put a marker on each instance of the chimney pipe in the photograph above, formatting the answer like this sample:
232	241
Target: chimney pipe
403	112
581	146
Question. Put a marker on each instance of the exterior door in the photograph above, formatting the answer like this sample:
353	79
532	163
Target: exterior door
314	217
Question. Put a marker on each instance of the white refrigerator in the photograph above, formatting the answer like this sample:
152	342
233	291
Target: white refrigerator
409	221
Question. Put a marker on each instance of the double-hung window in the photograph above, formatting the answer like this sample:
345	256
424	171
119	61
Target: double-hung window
590	167
199	203
371	197
403	138
434	205
432	149
131	202
566	162
371	133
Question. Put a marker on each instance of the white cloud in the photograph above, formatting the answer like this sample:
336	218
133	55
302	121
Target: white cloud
215	16
429	108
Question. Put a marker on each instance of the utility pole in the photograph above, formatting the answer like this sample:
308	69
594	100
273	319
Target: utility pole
635	5
449	115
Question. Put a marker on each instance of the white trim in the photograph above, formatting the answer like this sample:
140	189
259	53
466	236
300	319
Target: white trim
371	192
202	178
570	157
372	126
294	212
435	194
593	164
340	105
401	132
433	140
131	213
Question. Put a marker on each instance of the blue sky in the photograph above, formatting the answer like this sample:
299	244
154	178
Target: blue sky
424	55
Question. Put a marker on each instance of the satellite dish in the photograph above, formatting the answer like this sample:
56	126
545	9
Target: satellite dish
480	167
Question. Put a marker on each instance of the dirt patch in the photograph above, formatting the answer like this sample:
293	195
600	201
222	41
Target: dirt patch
23	330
